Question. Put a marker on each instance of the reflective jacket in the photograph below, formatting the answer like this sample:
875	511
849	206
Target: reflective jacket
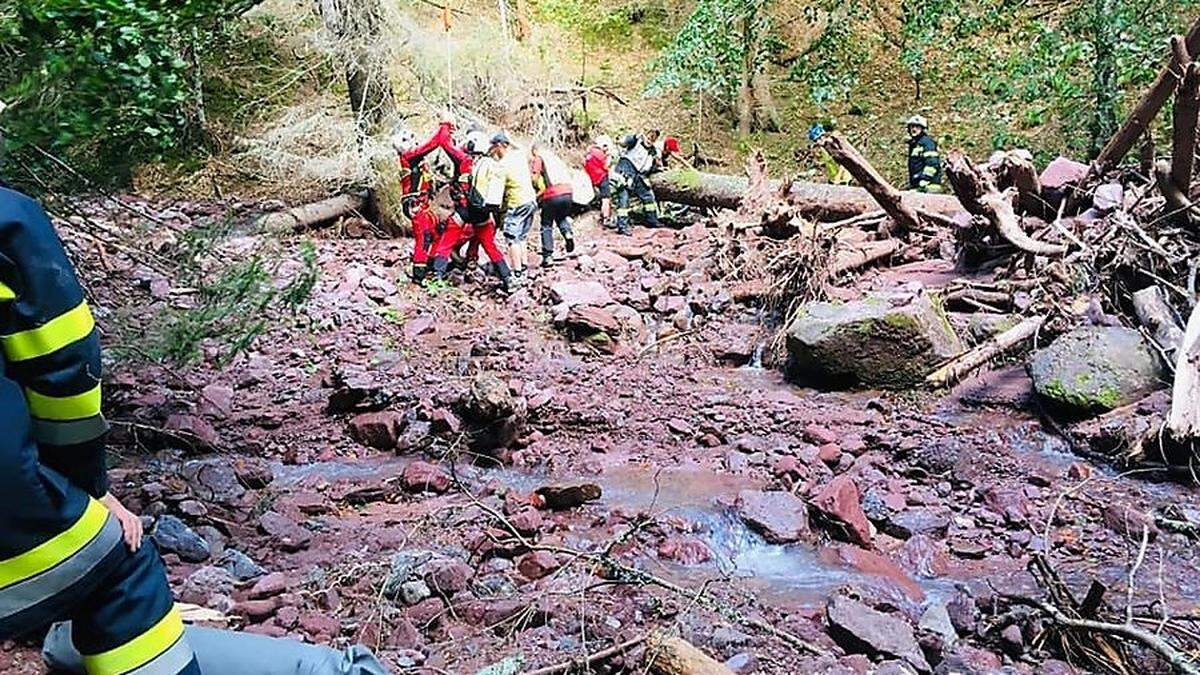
54	534
924	163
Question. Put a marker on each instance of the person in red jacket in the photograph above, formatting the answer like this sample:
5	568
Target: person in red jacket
552	180
478	195
418	188
596	164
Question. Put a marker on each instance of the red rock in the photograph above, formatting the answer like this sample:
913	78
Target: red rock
288	617
200	432
285	533
425	477
216	401
405	636
377	429
818	434
426	612
1010	503
1062	171
874	564
442	421
271	585
686	551
319	624
537	564
450	576
585	320
839	503
418	326
268	629
787	466
572	293
256	610
498	611
527	521
311	503
830	453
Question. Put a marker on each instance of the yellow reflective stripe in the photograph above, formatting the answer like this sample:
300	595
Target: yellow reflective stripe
59	332
138	651
7	293
930	170
64	408
931	153
57	549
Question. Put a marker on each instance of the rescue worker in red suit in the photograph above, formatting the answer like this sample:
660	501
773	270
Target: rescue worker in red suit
418	188
596	164
480	192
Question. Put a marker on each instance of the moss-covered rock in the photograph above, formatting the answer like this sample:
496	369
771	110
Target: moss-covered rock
1095	369
888	340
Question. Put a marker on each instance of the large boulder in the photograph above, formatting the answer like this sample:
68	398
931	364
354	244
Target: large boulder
889	340
1095	369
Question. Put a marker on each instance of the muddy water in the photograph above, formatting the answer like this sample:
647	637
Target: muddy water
792	574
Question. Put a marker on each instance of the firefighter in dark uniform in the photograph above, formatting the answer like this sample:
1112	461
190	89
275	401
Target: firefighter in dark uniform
630	179
924	161
68	549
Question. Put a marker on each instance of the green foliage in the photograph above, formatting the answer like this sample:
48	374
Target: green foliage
104	83
720	45
599	25
1074	66
232	307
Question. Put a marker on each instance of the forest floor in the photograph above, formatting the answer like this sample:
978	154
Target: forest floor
703	459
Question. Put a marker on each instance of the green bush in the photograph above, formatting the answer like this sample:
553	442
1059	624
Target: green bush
104	84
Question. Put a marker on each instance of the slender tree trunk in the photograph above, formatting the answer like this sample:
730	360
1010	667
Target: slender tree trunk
358	26
1104	72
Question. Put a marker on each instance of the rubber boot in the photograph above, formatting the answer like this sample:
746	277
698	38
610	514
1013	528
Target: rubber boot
505	273
418	273
439	268
570	245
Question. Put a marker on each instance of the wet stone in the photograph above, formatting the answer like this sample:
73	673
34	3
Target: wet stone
285	533
240	565
838	502
171	535
414	591
780	517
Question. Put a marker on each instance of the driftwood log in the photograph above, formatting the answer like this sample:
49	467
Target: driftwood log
820	202
676	656
306	216
1151	102
1155	313
968	362
1184	419
977	191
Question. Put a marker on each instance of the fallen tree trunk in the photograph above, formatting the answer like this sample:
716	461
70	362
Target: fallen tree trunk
968	362
676	656
1184	419
1152	101
821	202
850	259
978	193
305	216
889	198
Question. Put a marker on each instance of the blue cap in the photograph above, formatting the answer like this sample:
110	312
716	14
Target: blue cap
815	131
501	138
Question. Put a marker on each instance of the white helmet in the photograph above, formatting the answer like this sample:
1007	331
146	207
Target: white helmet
403	140
604	142
477	143
917	121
